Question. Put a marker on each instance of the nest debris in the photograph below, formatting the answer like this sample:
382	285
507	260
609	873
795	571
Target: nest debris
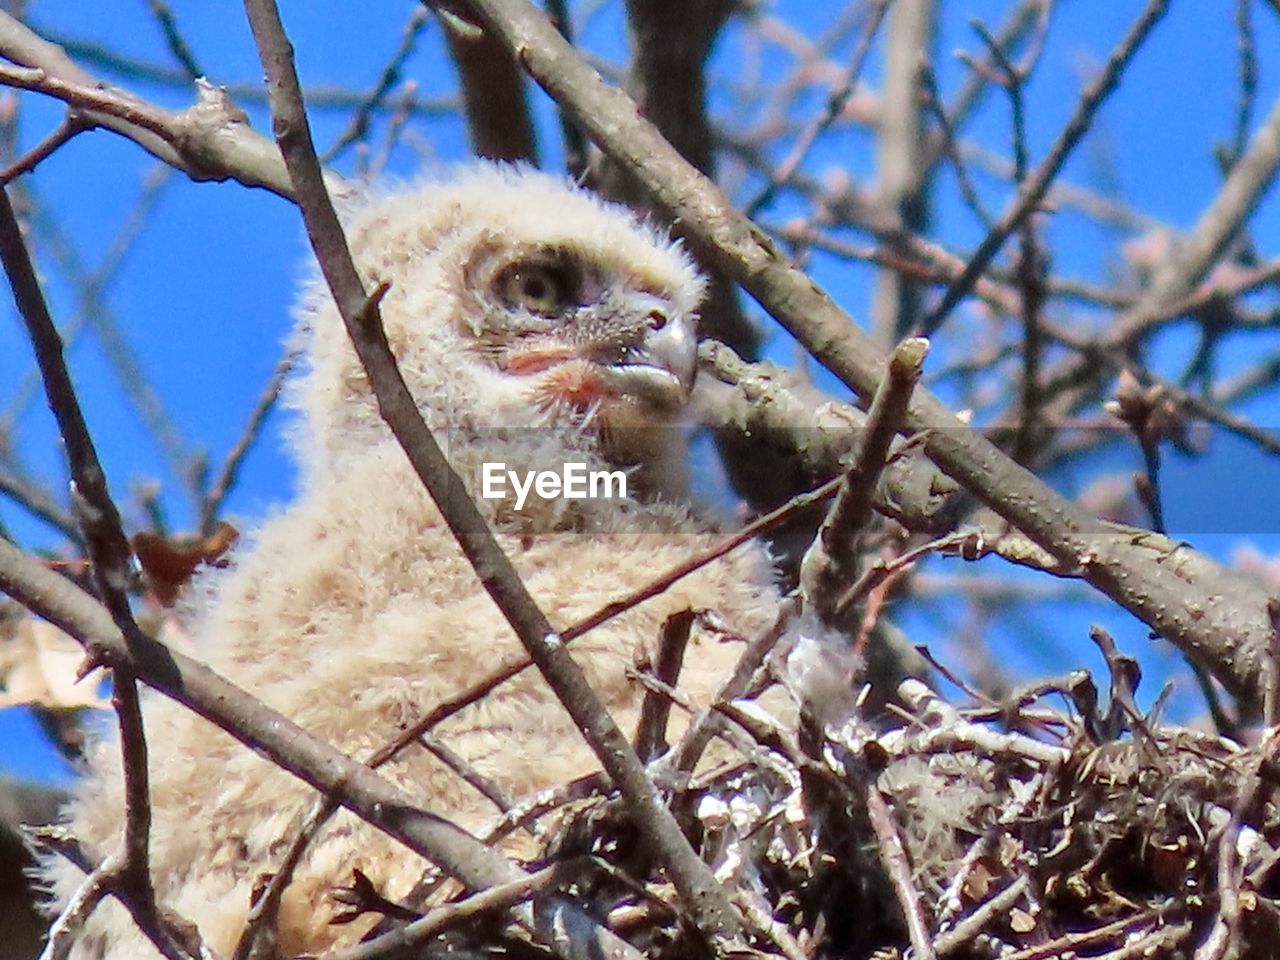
1023	832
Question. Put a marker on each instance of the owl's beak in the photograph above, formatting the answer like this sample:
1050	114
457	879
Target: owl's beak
650	365
659	368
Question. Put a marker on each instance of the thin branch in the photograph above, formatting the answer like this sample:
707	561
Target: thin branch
651	728
831	560
894	859
495	98
230	472
174	39
835	105
358	127
949	147
91	286
319	97
207	141
903	173
1029	264
576	147
71	127
1033	193
451	916
1012	32
1195	255
1247	46
125	873
38	503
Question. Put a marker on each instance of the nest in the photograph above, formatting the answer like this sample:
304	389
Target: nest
1024	831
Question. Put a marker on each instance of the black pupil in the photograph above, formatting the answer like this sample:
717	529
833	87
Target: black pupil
537	288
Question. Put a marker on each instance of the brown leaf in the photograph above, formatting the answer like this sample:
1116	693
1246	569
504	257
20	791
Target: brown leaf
169	563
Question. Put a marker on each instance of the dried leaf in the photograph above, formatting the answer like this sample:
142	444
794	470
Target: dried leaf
39	664
1020	921
170	562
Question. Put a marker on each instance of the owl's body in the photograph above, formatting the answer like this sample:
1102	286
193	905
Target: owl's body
353	612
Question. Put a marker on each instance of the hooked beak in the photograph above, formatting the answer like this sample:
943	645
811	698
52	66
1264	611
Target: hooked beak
655	367
659	369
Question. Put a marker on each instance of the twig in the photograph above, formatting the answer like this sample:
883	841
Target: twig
38	503
1069	943
1195	255
1215	413
91	284
257	936
881	571
204	142
358	126
469	774
1247	46
576	147
378	161
894	859
684	756
1037	185
1226	935
326	97
1271	690
1011	33
469	911
71	127
947	144
661	583
903	172
976	922
730	732
831	559
126	873
1029	265
230	471
835	105
173	38
655	710
91	307
494	96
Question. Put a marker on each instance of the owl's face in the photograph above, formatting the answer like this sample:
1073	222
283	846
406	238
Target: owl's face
516	300
606	343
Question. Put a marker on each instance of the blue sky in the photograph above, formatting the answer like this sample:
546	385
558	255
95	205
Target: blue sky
202	295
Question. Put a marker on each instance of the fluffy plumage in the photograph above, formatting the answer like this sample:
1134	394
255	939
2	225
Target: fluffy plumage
535	325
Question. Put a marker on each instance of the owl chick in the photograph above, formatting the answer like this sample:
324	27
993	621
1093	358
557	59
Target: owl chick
536	326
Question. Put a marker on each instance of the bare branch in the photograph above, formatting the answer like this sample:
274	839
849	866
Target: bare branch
207	141
230	471
358	128
1037	185
125	873
831	560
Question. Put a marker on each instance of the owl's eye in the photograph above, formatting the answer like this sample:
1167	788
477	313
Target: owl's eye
540	287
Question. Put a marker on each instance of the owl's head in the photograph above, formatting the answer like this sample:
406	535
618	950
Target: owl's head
516	300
